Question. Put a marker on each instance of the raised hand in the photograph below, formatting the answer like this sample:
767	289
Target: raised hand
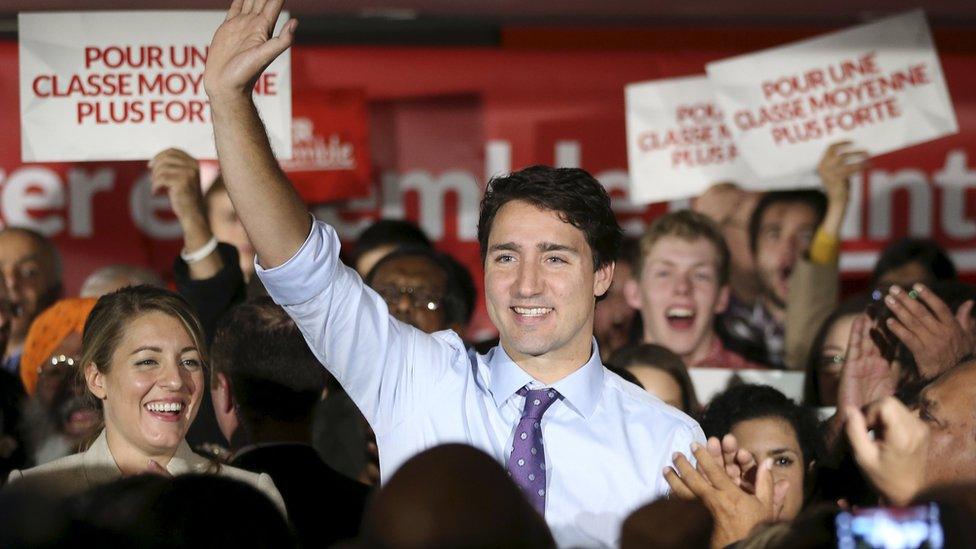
243	47
894	459
178	174
866	375
937	338
838	164
736	512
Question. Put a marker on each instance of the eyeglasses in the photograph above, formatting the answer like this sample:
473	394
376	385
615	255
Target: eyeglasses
420	298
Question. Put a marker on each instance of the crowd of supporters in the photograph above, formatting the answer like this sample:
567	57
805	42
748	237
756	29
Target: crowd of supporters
275	397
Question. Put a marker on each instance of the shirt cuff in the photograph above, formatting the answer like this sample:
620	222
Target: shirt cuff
825	249
306	273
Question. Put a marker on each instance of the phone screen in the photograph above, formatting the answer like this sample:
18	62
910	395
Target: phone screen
890	528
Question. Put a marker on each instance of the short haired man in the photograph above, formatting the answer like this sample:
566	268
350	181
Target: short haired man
381	238
265	383
795	239
584	446
31	268
681	284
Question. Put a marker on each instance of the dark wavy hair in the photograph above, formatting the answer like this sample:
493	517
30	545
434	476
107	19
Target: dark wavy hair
745	402
574	194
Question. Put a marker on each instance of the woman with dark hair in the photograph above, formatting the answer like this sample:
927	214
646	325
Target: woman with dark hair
767	424
827	353
660	372
142	360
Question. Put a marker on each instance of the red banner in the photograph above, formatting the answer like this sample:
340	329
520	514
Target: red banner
330	145
441	120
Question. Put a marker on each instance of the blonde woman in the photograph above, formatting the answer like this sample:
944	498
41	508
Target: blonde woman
143	356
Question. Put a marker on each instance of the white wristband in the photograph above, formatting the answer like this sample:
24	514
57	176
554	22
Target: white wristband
197	255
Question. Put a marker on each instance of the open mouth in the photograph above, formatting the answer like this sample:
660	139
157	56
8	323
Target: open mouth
680	318
530	313
165	410
784	274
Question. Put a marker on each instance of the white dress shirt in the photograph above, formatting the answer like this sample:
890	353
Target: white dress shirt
606	440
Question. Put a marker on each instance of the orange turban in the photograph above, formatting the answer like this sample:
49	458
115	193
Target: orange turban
46	333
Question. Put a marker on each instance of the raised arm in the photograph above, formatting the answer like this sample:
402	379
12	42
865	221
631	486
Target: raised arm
272	213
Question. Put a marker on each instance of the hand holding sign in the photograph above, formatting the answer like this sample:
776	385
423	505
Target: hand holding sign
243	47
836	167
178	174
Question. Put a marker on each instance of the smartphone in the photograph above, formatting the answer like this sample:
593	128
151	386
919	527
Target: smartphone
890	528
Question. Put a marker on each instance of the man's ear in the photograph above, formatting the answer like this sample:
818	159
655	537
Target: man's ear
602	279
95	381
722	302
223	398
632	294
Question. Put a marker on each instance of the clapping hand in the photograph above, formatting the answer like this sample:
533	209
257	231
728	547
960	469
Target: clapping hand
736	511
937	338
866	375
894	459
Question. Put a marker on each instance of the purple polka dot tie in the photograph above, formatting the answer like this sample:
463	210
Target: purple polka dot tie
527	464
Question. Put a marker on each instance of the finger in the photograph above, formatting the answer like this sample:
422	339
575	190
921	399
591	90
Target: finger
271	10
235	9
856	428
855	344
714	447
915	344
247	7
764	482
275	46
678	487
730	447
780	490
713	470
746	460
834	147
935	303
695	481
853	158
912	314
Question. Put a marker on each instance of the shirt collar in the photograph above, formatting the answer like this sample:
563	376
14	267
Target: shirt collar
580	390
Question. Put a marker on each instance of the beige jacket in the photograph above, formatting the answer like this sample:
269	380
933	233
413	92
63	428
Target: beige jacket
78	472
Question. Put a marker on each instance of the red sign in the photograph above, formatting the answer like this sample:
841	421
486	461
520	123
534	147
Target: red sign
330	145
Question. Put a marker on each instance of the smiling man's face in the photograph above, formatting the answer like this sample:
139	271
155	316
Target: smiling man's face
540	284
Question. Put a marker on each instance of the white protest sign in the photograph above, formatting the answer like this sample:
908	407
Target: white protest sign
677	142
126	85
879	85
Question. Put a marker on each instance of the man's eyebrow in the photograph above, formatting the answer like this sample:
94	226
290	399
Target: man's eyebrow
506	246
553	247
